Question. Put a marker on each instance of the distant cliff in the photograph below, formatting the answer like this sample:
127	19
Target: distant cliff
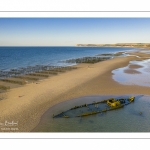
97	45
116	45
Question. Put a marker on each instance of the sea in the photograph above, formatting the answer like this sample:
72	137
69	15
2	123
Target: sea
18	57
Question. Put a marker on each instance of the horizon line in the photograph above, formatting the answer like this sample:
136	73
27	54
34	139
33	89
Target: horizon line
68	45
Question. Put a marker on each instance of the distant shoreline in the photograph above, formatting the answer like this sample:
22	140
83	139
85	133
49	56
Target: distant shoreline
128	45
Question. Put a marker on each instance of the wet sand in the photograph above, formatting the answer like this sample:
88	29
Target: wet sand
134	66
28	103
131	71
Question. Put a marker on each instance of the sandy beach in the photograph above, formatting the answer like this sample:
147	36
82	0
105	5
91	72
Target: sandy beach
26	104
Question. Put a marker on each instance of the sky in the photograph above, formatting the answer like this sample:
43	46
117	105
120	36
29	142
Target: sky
72	31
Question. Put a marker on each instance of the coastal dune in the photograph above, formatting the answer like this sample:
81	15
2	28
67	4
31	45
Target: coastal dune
26	104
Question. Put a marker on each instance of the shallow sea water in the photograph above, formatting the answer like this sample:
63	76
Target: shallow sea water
141	78
134	117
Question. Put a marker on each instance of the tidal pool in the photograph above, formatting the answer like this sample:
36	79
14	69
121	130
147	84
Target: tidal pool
136	73
134	117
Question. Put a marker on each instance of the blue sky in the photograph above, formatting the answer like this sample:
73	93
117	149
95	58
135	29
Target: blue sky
71	31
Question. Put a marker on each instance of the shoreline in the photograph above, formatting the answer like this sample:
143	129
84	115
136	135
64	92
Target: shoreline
28	103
